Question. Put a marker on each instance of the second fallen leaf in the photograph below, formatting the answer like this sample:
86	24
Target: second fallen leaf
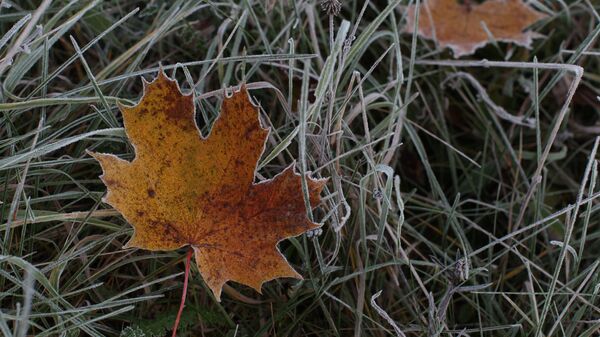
462	26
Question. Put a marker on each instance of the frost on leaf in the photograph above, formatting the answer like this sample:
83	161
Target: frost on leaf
185	190
462	26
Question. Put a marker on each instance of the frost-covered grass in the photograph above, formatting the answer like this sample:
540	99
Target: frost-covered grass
441	218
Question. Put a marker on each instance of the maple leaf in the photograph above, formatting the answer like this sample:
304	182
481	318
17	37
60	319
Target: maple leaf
185	190
461	26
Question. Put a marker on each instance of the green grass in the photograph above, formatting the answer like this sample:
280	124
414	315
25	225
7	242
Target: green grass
440	216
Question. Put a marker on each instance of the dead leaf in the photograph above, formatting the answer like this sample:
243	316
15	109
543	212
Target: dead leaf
185	190
461	26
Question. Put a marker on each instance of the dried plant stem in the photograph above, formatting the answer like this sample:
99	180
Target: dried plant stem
188	260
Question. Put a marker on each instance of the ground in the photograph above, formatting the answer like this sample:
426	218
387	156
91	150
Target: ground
462	196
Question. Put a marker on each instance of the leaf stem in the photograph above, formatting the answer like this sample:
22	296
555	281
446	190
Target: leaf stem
188	259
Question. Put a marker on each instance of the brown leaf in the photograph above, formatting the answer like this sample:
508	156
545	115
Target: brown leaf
185	190
461	26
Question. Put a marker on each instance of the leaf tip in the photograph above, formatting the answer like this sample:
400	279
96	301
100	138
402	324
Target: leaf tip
90	153
161	72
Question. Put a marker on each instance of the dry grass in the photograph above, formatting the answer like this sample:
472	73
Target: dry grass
444	216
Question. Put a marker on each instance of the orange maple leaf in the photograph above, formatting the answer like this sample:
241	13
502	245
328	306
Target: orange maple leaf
185	190
461	26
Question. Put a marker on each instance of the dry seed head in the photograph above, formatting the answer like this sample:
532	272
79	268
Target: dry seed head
332	7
